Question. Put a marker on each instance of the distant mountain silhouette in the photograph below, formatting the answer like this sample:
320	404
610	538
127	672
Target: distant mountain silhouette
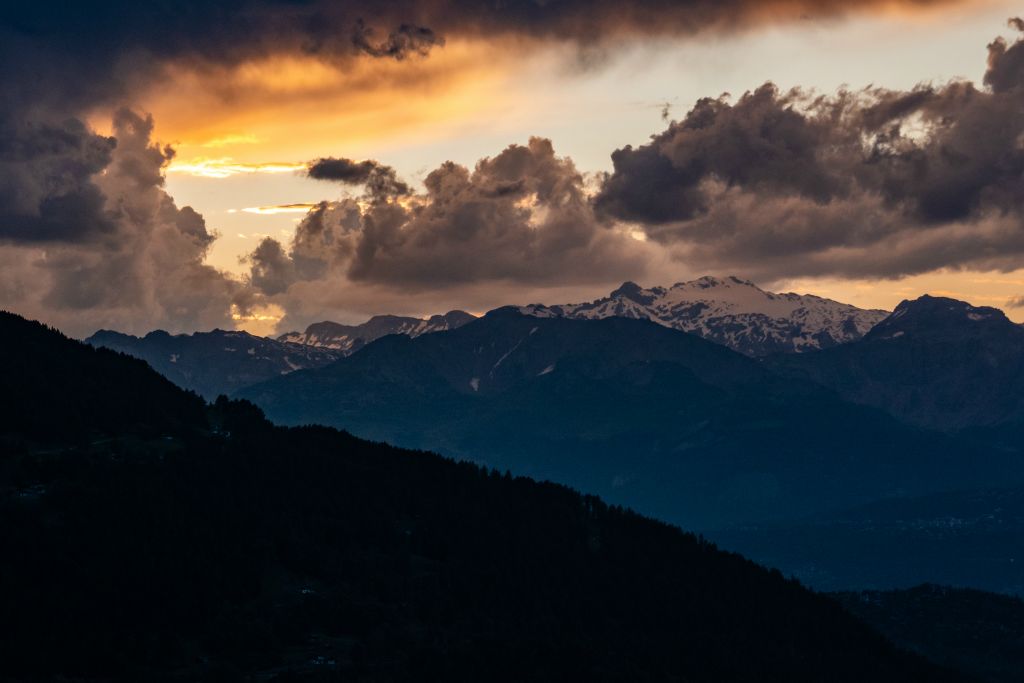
217	362
935	362
230	550
223	361
661	420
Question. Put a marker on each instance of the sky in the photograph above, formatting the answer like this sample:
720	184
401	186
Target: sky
264	165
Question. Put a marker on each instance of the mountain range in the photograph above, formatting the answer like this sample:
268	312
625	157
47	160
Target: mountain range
221	362
151	536
935	362
350	338
765	453
645	415
732	312
216	362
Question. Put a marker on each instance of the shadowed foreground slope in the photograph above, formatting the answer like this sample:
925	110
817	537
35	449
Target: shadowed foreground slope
979	632
225	548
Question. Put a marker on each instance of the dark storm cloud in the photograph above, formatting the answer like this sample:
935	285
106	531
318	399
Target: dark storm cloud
870	183
521	216
58	60
82	53
761	141
381	181
46	189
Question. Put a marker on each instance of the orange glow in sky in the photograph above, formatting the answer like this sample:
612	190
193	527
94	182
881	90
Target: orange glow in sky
244	133
293	108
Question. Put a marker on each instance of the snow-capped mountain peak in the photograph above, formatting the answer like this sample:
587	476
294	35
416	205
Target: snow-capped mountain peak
350	338
733	312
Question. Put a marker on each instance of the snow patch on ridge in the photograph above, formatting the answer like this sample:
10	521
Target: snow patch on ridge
731	311
350	338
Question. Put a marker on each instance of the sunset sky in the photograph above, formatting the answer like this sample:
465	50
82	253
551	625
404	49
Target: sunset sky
468	156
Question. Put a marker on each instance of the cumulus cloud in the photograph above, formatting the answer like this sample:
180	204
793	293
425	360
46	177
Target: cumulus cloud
144	269
271	270
89	237
522	216
859	184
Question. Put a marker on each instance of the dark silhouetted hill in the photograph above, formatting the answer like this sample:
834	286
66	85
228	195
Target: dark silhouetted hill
56	389
233	550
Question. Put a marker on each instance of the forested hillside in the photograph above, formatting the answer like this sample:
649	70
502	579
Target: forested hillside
228	549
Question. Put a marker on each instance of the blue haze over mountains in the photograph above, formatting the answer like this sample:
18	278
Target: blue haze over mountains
826	461
221	361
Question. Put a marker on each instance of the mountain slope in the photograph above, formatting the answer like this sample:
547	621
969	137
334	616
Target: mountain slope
261	553
732	312
647	416
972	538
935	362
55	389
350	338
980	633
217	362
